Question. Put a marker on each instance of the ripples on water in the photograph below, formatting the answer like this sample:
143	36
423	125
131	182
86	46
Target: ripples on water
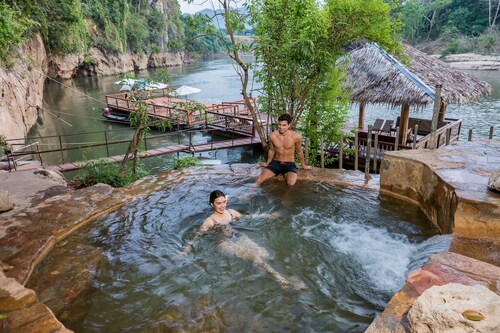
350	248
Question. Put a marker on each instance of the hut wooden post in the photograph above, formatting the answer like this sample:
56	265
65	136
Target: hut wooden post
356	151
322	155
361	115
403	123
341	151
435	115
368	153
442	110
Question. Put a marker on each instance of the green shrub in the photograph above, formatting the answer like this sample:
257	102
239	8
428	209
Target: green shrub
4	146
13	29
185	162
105	172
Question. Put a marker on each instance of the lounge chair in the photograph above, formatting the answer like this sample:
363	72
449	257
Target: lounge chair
387	128
377	125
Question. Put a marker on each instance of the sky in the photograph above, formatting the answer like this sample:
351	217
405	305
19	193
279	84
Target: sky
194	7
198	5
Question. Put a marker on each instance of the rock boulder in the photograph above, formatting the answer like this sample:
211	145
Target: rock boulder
441	308
5	203
494	181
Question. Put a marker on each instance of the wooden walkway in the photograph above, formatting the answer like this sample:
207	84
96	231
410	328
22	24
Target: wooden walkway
224	144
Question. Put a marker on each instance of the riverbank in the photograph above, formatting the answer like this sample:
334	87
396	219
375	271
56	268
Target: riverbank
472	61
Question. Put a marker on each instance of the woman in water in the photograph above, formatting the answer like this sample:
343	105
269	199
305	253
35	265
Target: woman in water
232	242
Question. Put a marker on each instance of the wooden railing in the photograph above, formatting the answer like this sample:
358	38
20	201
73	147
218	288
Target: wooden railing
101	146
445	135
230	123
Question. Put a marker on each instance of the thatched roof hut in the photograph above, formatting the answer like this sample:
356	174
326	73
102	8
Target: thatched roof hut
377	77
374	76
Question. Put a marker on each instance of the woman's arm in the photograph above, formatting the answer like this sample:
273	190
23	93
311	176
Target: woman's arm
237	215
205	226
273	216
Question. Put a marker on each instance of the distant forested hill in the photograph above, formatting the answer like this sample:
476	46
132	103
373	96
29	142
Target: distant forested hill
456	25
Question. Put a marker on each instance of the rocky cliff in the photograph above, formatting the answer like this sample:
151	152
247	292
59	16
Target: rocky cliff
21	89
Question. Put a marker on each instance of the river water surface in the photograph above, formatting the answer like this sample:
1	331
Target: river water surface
73	106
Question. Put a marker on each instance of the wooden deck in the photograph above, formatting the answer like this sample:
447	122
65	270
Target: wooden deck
181	113
164	150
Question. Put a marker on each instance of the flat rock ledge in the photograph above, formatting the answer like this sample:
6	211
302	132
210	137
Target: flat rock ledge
50	215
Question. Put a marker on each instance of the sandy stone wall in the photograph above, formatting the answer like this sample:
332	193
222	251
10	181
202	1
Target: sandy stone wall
449	184
418	183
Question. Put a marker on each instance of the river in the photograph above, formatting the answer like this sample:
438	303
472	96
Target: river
73	106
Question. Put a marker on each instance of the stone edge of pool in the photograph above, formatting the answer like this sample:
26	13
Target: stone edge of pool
28	241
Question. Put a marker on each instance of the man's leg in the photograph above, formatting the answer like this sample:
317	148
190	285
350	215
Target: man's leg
291	177
265	175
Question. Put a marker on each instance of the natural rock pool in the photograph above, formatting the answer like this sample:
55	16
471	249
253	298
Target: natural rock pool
350	248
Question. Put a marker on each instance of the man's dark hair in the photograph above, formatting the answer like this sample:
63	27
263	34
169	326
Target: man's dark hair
285	116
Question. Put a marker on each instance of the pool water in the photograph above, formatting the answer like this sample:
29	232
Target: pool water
351	249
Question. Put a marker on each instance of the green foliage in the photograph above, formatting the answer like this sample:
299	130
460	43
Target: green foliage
110	18
66	29
87	59
4	146
431	20
488	42
297	46
201	36
185	162
412	14
105	172
137	34
72	26
13	31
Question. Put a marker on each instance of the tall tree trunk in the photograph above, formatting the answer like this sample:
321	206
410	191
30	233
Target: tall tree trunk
234	54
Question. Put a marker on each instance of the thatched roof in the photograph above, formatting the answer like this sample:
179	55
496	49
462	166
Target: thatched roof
376	77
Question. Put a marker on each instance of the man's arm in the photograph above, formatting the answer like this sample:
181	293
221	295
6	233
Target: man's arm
270	152
298	146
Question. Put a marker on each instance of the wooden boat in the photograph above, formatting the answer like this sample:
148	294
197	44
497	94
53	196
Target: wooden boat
115	117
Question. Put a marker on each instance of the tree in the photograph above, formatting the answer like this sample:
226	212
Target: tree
493	14
141	120
235	21
298	45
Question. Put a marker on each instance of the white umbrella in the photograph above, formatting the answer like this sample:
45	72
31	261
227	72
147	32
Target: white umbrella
127	81
186	90
156	85
126	87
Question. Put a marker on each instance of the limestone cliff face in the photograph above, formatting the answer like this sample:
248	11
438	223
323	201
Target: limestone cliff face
21	89
96	63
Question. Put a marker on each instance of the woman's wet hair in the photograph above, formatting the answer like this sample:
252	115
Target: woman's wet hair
216	194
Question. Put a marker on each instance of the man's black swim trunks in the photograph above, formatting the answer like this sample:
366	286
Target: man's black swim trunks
279	168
